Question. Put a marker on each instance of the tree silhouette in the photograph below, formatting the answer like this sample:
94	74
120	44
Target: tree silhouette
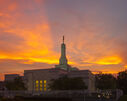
105	81
66	83
17	84
122	81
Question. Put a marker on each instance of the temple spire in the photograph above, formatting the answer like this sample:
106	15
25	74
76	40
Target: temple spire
63	39
63	59
63	63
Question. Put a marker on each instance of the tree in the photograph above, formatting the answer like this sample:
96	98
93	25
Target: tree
122	81
66	83
17	84
105	81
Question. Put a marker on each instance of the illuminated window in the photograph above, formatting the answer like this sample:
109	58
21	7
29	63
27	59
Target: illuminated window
44	81
40	81
40	89
44	89
40	85
45	85
37	81
36	85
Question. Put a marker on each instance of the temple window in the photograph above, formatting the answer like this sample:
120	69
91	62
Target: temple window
45	85
36	85
40	85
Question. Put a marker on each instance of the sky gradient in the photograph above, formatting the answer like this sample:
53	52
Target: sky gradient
31	34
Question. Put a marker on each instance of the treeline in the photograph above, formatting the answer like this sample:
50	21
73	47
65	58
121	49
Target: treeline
108	81
17	84
66	83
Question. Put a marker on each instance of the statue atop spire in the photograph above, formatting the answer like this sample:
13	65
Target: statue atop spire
63	39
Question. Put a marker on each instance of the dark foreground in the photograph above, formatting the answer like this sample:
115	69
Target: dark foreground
35	99
123	98
108	95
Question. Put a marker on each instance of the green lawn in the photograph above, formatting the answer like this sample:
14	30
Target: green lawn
123	98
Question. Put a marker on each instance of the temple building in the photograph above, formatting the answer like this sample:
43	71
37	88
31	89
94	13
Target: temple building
39	79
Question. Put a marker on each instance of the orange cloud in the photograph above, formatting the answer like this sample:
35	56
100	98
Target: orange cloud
37	40
12	6
109	60
37	44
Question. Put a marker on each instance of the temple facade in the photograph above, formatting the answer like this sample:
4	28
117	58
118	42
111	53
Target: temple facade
39	79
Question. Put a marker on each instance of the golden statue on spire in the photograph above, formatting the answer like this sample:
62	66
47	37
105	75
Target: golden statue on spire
63	38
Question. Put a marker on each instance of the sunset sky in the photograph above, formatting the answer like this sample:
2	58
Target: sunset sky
31	34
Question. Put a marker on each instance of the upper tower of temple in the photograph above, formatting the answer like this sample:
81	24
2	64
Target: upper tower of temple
63	59
63	64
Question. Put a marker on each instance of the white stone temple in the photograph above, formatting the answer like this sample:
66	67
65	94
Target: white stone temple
38	79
